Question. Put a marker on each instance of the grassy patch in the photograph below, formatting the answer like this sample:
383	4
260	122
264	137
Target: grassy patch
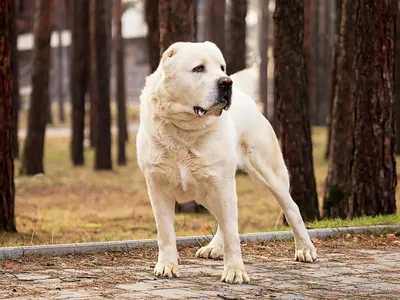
361	221
68	205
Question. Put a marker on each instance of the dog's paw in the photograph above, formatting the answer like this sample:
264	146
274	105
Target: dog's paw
233	275
166	270
305	252
216	252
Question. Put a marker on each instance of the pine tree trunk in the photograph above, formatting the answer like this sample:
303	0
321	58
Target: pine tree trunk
215	25
15	85
102	59
293	105
153	33
334	80
79	77
397	78
92	76
236	60
321	100
60	67
120	87
337	182
7	187
311	42
263	78
373	160
177	24
32	158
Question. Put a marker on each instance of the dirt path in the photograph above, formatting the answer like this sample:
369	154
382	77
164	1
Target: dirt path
349	267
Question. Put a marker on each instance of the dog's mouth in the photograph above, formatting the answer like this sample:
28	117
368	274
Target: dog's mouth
223	105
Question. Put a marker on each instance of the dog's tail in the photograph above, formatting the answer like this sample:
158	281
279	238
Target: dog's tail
247	81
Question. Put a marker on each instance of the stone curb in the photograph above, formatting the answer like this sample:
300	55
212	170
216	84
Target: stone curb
65	249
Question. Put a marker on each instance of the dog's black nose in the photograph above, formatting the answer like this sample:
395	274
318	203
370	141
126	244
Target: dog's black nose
225	82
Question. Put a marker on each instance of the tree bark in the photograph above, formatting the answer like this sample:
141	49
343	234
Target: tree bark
102	60
177	24
153	33
334	76
373	160
60	67
311	49
293	105
15	85
79	77
120	86
319	101
215	25
32	159
263	78
337	182
7	187
236	60
92	76
397	78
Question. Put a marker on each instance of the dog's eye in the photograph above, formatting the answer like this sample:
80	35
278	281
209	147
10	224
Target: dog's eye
222	68
198	69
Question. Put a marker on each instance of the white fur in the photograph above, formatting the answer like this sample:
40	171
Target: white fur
185	156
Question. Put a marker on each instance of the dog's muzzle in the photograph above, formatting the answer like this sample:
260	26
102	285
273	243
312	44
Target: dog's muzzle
225	91
223	101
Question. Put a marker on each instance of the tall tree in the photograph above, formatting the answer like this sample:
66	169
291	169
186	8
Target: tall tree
333	86
397	78
263	78
373	161
318	106
215	25
153	33
79	76
311	47
176	19
236	60
60	67
92	76
337	182
293	105
177	24
32	158
120	85
7	187
102	59
15	84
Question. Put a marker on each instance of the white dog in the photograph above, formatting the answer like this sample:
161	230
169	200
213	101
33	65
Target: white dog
190	142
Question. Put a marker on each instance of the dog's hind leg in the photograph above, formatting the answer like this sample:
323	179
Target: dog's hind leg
263	160
215	249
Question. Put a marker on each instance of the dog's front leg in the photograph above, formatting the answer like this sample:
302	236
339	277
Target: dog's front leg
164	209
224	206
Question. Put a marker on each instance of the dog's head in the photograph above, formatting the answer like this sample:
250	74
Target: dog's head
194	75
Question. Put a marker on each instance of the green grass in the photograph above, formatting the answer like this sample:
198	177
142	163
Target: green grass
69	205
361	221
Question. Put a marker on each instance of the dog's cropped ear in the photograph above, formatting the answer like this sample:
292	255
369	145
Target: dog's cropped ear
172	50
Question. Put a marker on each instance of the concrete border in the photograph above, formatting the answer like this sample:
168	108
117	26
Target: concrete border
65	249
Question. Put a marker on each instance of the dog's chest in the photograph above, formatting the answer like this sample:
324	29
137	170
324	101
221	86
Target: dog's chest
181	168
